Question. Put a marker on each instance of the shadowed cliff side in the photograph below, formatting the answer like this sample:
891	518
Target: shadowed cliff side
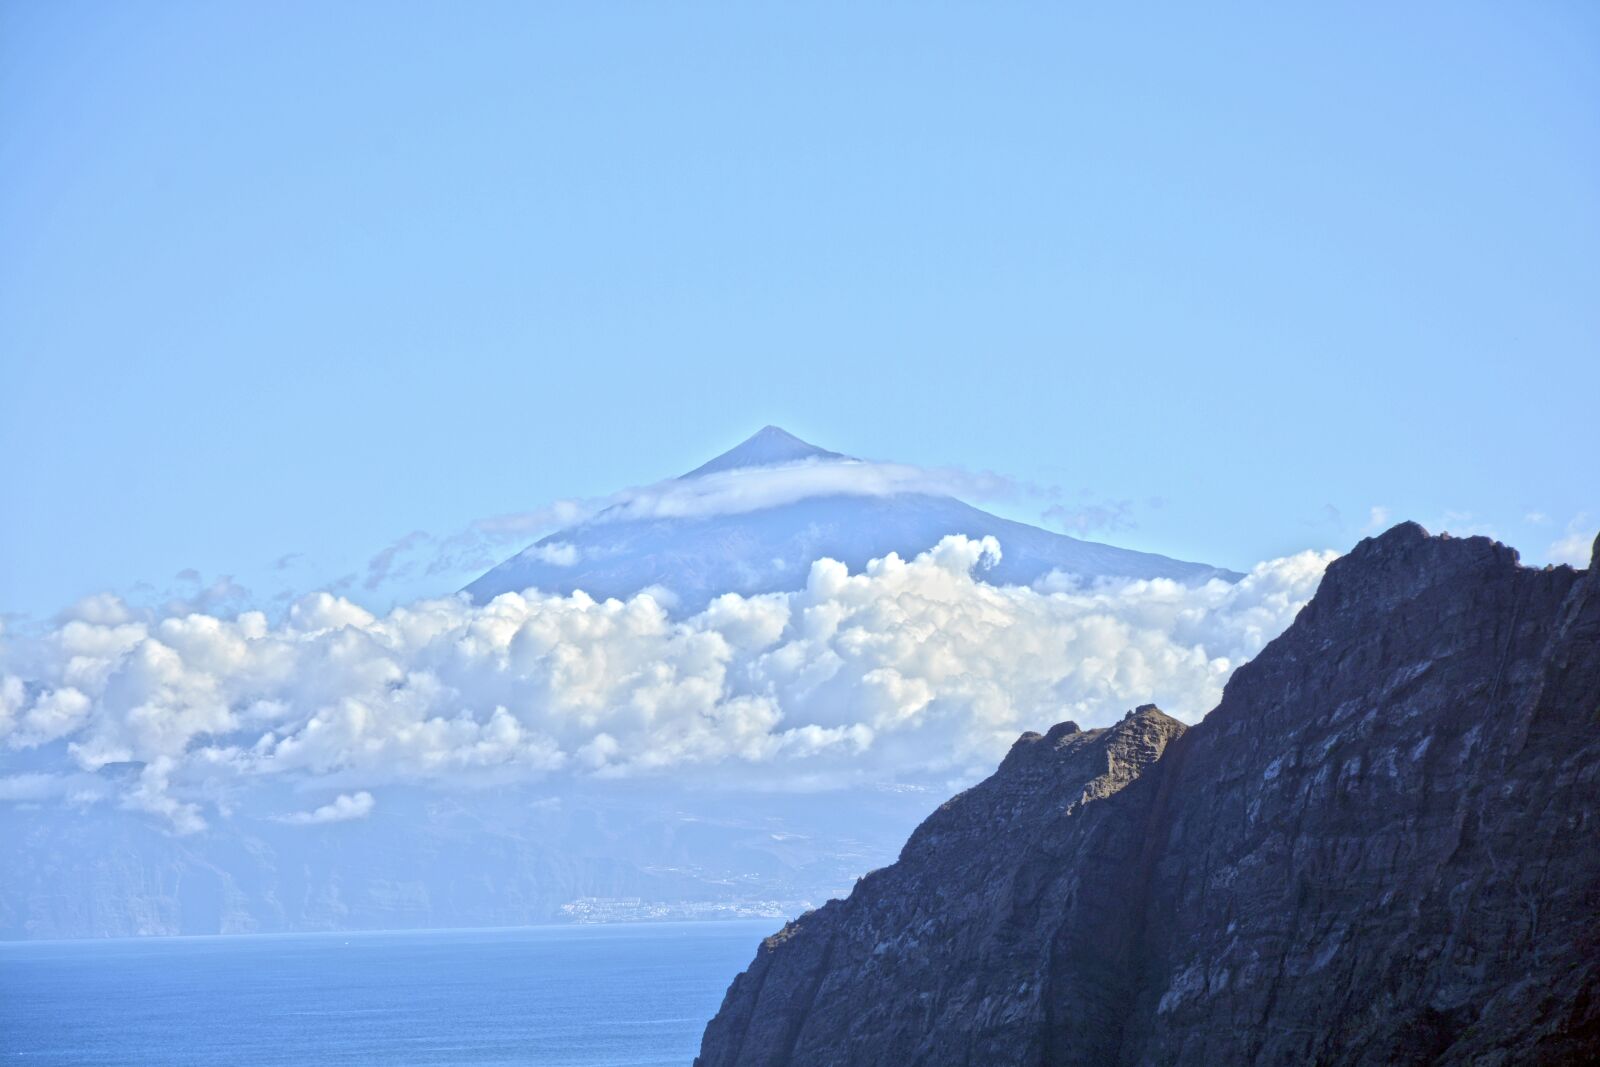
1379	847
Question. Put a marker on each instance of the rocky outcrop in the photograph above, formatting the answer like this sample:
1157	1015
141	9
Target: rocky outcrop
1380	847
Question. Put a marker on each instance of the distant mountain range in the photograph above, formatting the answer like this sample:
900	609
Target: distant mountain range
762	549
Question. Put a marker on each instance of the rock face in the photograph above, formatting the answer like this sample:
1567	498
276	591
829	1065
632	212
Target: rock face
1382	846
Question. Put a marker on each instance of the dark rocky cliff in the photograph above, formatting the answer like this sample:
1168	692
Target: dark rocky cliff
1380	847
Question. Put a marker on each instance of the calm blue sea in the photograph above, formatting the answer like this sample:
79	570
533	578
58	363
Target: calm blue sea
559	996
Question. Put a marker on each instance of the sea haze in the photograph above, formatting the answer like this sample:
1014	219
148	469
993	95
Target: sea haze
569	996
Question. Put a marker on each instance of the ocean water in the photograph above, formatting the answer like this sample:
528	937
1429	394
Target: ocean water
556	996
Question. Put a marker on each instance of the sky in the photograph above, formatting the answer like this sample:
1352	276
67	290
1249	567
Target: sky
281	285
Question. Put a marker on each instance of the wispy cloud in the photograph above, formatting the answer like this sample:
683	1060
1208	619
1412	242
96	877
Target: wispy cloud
1103	516
748	489
485	542
1576	546
222	594
382	566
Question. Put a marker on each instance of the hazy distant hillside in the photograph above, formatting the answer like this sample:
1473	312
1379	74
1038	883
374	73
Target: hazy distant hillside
496	858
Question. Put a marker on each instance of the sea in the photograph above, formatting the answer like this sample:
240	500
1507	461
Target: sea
550	996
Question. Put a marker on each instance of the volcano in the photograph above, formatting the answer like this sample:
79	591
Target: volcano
753	519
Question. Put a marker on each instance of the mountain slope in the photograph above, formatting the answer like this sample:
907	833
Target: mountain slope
1380	847
759	549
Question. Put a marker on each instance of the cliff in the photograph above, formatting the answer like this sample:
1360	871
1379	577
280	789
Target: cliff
1380	847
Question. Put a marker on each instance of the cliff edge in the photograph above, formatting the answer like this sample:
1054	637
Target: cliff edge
1380	847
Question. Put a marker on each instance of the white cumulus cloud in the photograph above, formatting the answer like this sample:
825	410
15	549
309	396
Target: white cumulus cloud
907	667
342	808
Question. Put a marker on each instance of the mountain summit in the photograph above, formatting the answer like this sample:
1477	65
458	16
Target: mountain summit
767	447
756	517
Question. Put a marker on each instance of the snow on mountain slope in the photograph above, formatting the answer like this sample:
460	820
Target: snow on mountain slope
753	519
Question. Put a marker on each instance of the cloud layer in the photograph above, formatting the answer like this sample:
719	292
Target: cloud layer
907	668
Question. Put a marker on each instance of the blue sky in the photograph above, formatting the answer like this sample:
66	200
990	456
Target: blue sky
302	278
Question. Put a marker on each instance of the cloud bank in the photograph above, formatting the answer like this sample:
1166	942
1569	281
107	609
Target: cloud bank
906	668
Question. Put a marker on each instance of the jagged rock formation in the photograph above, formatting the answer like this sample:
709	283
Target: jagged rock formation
1381	847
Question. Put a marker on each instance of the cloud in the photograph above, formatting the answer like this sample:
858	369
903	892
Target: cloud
75	789
152	794
1377	519
1577	546
223	594
13	698
54	714
746	489
906	668
1573	549
342	808
26	787
382	565
102	608
728	492
483	543
557	552
1107	515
